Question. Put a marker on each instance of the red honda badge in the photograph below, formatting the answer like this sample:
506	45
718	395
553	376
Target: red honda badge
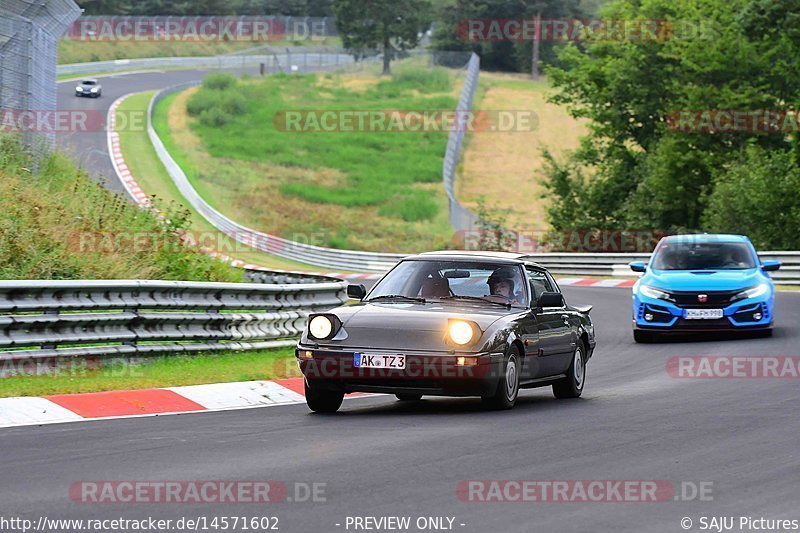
702	298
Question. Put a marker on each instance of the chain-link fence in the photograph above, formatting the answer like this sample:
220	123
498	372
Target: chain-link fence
28	33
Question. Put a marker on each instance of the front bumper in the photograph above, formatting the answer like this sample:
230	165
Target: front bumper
425	373
660	315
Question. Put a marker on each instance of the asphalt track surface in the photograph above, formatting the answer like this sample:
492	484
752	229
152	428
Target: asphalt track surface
380	457
90	149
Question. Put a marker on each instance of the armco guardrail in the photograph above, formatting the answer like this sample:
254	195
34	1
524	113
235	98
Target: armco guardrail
54	319
461	218
609	264
305	253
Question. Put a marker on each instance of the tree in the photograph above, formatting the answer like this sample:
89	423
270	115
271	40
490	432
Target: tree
757	195
634	170
502	54
390	25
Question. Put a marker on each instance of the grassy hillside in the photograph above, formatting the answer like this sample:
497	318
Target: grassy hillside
152	177
506	167
376	191
58	224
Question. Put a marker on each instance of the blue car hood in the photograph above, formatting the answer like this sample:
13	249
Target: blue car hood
703	280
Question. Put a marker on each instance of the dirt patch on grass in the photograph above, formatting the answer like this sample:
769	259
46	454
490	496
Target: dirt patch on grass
506	167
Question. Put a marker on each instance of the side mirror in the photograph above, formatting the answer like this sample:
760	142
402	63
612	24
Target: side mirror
770	265
551	299
356	292
638	266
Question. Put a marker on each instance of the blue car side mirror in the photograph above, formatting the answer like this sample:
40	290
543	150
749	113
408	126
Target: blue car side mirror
770	265
638	266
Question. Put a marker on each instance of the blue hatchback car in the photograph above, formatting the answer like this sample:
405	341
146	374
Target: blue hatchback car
703	283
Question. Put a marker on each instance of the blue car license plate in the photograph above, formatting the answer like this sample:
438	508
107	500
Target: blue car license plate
704	314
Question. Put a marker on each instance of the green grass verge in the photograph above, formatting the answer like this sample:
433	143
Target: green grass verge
141	158
158	372
373	190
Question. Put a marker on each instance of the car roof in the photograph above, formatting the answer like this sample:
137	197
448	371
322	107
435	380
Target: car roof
706	237
472	255
89	80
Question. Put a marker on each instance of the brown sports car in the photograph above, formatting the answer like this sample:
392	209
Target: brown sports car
449	324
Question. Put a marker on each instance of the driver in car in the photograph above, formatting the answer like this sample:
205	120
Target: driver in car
502	283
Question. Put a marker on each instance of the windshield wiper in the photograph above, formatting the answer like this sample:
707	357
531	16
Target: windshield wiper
477	299
398	297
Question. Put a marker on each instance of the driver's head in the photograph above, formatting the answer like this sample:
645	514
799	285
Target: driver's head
501	282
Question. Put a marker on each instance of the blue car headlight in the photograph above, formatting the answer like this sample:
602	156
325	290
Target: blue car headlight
652	292
752	292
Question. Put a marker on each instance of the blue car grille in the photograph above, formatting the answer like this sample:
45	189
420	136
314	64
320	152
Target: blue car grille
714	299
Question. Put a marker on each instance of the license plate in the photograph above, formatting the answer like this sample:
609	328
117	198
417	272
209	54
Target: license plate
704	314
364	360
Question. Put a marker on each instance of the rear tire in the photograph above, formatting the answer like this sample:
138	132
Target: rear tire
508	386
572	385
323	401
408	397
643	337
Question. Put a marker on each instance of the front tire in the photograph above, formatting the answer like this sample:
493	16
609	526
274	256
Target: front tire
323	401
643	337
572	385
508	387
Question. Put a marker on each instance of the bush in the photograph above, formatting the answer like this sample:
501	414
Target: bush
219	82
757	196
215	117
216	107
202	101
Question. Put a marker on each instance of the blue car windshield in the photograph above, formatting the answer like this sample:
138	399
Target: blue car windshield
703	256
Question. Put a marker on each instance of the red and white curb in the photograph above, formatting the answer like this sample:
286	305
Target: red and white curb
56	409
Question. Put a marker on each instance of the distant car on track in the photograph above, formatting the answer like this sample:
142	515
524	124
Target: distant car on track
703	283
90	88
450	324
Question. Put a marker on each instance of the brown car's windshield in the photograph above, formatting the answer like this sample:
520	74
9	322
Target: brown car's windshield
461	281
